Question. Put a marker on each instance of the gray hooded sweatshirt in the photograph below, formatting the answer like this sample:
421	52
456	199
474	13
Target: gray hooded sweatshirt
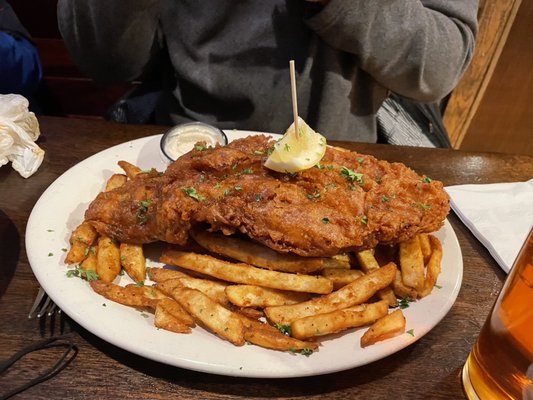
227	62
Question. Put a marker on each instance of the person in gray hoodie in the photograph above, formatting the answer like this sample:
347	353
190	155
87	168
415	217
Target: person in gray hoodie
227	62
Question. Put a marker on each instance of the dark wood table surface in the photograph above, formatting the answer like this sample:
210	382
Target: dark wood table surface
428	369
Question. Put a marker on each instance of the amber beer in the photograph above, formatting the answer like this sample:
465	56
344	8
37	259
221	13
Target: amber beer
500	365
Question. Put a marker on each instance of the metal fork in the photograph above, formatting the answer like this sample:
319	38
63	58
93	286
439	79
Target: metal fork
43	305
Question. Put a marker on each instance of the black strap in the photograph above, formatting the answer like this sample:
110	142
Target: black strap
71	350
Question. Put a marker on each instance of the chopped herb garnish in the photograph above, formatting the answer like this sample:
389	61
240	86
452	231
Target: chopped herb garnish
325	220
49	230
425	206
258	197
352	176
287	147
90	249
319	166
314	196
363	219
64	250
217	185
427	179
438	286
226	192
404	303
142	210
191	192
238	189
50	254
305	351
258	152
411	332
104	305
384	199
200	147
139	284
285	329
360	160
248	171
78	272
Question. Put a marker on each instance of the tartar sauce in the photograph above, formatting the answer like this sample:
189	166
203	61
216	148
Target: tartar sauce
182	138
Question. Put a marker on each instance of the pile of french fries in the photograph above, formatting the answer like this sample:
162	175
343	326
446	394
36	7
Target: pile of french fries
245	292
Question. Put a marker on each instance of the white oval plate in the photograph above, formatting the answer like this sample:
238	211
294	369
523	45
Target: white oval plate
61	208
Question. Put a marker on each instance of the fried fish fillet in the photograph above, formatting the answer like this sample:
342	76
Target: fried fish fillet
349	201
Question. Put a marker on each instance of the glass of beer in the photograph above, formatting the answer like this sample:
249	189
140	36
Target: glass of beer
500	365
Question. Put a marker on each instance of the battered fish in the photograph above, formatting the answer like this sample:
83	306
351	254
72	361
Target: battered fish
348	202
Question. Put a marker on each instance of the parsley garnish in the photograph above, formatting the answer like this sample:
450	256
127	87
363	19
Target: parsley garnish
352	176
258	197
248	171
424	206
315	195
89	249
238	189
200	147
285	329
363	219
427	179
50	254
404	302
258	152
142	210
89	275
287	147
191	192
384	199
411	332
305	351
438	286
139	284
325	220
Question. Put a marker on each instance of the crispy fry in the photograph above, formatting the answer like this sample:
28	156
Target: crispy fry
339	320
131	170
133	261
247	274
174	308
256	254
267	336
368	263
390	325
80	241
433	266
425	246
257	296
135	296
165	320
89	263
341	276
107	259
339	261
163	274
400	290
412	263
212	315
115	181
215	290
352	294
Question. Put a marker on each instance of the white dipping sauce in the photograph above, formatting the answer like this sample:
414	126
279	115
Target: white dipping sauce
182	138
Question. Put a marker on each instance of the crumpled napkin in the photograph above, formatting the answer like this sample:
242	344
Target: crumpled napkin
19	129
500	215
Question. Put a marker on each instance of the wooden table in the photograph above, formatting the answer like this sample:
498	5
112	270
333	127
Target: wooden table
428	369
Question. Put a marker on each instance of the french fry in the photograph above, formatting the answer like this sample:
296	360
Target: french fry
135	296
115	181
215	290
107	259
165	320
258	296
247	274
412	263
163	274
226	324
80	240
129	169
256	254
174	308
339	320
350	295
400	290
340	276
267	336
368	263
390	325
433	266
338	261
89	263
133	261
425	246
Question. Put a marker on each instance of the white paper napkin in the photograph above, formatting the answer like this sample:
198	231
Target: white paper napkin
19	129
499	215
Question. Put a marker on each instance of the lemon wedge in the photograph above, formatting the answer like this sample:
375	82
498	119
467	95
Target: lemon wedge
297	151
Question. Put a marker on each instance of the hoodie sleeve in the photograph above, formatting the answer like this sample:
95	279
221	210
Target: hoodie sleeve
111	41
416	48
